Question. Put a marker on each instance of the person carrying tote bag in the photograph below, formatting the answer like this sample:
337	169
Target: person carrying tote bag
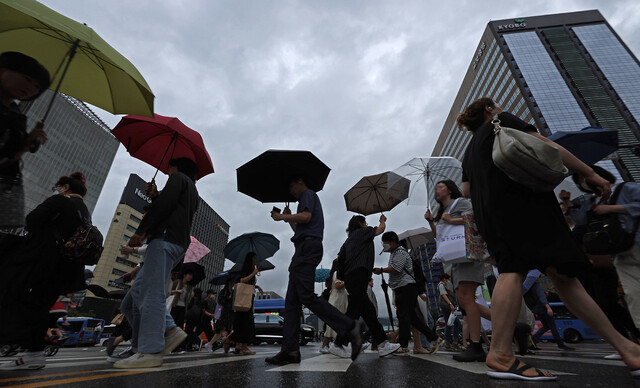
243	323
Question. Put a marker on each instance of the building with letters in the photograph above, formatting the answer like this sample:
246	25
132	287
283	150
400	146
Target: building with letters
208	227
560	72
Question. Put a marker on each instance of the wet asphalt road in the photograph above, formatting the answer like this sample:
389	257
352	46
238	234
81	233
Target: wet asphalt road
84	367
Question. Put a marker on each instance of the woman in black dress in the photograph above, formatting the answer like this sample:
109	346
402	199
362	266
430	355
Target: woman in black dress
526	230
35	274
243	325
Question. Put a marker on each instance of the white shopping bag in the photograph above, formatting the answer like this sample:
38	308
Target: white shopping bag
450	243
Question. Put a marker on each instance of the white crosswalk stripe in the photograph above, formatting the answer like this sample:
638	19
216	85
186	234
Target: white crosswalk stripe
322	363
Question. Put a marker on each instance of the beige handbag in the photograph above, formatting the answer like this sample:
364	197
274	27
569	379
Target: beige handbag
526	159
117	320
243	297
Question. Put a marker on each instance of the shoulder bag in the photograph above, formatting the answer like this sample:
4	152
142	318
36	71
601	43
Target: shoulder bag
526	159
243	297
605	234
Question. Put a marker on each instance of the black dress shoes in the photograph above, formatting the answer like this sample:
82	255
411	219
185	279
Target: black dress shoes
355	338
284	358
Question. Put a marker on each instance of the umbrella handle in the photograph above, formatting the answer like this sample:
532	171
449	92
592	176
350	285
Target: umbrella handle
70	55
173	141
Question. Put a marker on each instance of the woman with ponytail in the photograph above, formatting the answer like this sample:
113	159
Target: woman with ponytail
36	273
526	230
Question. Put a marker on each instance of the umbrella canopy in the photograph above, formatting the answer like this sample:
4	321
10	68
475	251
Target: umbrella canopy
157	140
264	265
196	251
96	72
385	290
372	195
264	245
196	269
417	237
98	291
590	144
223	277
322	274
424	174
266	177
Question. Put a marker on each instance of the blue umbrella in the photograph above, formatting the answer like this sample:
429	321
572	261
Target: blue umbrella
590	144
322	274
264	265
262	244
223	277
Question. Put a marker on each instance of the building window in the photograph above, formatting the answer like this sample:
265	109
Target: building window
112	283
118	272
126	238
131	228
135	219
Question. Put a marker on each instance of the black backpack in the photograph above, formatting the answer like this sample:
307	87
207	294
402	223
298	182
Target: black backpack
604	234
418	276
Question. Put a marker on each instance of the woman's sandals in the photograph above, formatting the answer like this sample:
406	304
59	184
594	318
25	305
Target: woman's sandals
515	373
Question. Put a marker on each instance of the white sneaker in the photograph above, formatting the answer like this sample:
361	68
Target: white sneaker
340	351
324	350
387	349
172	341
25	362
140	360
614	356
365	346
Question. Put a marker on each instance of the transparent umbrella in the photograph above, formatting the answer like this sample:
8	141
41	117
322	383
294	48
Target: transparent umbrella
424	173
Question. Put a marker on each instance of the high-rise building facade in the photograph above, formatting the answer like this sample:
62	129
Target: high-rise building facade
560	72
208	227
77	141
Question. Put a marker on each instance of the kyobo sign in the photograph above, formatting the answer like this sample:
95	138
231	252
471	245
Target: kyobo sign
517	24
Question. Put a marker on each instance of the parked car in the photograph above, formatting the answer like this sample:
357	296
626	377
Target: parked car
82	331
571	329
269	330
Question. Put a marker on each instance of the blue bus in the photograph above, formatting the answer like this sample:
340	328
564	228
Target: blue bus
571	329
82	331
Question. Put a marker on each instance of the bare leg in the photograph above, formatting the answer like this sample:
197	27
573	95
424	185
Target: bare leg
215	338
466	293
507	296
325	342
580	303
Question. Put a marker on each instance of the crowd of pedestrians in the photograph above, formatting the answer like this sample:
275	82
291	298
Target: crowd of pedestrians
163	309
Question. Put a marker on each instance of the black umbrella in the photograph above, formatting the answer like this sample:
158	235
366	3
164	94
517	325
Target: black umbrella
589	144
385	288
266	177
372	195
263	265
196	269
98	291
223	277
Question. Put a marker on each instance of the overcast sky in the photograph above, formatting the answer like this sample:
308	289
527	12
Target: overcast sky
364	85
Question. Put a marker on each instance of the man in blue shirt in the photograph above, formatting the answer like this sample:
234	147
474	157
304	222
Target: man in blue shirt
308	228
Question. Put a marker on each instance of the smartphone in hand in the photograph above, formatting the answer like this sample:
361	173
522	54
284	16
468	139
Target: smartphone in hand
276	210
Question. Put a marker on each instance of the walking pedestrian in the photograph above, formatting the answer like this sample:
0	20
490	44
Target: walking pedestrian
180	297
448	304
511	218
339	299
244	329
21	78
538	304
308	227
34	275
402	282
466	276
224	324
356	257
167	227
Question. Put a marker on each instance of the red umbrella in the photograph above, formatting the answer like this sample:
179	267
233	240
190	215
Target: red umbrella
159	139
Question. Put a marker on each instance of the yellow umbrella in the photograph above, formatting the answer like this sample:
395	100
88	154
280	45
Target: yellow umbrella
92	70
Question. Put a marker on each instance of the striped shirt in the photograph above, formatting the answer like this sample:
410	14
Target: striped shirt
401	262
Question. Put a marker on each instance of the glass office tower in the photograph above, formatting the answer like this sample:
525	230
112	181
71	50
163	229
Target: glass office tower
558	72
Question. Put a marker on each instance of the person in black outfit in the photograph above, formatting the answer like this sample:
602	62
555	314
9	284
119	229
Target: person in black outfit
224	324
525	229
356	259
21	78
308	227
243	324
34	275
193	316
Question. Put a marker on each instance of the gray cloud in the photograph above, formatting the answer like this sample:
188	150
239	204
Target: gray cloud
365	85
